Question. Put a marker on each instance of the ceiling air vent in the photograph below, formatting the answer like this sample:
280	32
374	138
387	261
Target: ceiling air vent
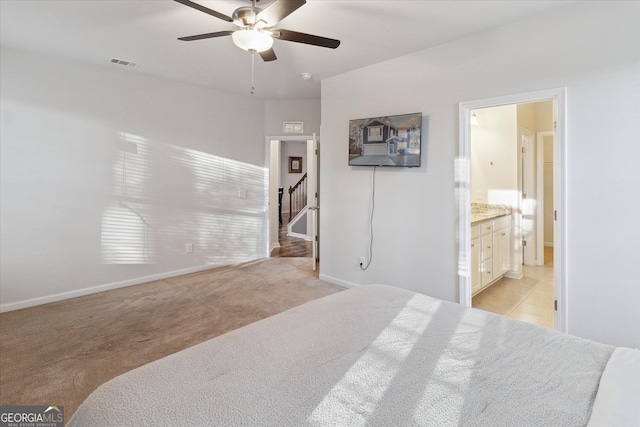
123	62
293	127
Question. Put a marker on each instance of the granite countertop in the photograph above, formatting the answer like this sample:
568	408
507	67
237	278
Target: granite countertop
481	212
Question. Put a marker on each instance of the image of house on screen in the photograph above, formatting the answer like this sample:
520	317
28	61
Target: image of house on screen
385	141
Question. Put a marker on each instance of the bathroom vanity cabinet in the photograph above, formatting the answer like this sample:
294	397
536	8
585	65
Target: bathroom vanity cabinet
490	252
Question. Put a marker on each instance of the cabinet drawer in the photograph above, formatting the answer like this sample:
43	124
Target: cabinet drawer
487	227
486	246
475	244
475	231
487	272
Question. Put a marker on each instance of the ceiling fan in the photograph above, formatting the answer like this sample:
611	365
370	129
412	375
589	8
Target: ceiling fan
256	32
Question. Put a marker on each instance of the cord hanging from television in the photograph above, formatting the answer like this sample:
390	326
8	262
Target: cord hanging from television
373	206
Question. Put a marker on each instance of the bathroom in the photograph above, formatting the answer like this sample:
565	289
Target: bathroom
512	149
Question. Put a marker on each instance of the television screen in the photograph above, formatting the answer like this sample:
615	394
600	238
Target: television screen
386	141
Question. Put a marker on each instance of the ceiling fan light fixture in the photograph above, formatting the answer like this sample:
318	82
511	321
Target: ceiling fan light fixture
252	39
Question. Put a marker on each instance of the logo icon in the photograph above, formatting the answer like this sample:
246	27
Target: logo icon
32	416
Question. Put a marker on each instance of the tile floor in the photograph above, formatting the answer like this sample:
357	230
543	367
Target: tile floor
529	299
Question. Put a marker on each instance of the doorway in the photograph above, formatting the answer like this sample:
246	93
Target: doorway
293	195
525	194
504	178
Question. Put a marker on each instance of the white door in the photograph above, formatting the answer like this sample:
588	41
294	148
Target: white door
528	203
274	183
312	197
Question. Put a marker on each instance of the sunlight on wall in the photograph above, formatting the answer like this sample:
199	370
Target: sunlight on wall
503	197
521	226
462	187
528	215
166	196
127	236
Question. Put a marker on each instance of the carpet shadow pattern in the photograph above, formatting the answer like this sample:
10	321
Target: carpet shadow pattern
58	353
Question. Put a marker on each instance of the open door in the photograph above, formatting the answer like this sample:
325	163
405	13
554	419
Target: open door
528	204
312	198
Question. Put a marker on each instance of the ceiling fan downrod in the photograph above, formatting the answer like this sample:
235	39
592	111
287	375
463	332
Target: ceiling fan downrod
253	53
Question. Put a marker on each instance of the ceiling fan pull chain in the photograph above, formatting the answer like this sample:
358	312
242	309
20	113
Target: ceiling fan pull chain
253	71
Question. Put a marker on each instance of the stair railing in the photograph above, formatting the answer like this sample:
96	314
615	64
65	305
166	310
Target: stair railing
297	196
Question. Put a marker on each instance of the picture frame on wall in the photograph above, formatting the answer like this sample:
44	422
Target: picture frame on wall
295	164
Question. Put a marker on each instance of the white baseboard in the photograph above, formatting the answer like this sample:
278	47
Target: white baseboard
299	236
339	282
114	285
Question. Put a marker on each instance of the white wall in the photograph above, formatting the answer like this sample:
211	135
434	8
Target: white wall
494	156
107	174
292	110
415	219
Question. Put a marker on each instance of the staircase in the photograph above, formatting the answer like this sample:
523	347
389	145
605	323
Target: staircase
298	197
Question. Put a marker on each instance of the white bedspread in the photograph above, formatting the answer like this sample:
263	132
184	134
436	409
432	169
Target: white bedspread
618	400
373	355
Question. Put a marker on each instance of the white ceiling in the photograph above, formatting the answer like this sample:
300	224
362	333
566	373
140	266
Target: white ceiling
146	32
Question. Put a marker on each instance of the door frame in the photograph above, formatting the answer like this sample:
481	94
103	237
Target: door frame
313	197
462	178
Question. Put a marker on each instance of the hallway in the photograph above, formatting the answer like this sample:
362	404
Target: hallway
291	246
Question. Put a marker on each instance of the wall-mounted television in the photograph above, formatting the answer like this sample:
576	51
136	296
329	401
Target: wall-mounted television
386	141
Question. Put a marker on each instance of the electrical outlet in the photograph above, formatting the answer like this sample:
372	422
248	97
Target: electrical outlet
188	247
362	261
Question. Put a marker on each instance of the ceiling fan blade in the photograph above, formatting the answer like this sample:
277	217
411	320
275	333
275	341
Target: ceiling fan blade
278	10
294	36
268	55
205	36
206	10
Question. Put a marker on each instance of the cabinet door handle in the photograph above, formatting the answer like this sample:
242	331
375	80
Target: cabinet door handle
473	246
504	234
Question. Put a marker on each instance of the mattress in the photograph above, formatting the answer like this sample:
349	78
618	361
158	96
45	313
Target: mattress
372	355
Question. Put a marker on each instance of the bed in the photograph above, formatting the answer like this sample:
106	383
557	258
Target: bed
378	355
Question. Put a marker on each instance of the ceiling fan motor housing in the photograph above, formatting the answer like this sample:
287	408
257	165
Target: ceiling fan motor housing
246	16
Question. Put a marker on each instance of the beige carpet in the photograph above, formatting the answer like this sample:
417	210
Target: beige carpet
57	354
